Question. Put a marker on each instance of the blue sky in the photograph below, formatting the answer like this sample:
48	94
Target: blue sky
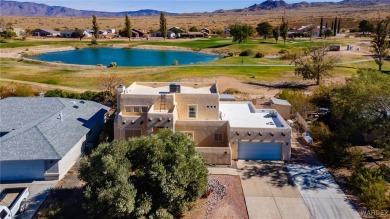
164	5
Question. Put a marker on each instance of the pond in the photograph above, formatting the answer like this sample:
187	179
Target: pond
126	57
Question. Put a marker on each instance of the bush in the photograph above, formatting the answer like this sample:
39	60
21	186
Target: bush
319	131
112	65
259	55
372	187
230	54
231	91
18	90
94	42
287	54
247	52
175	62
157	176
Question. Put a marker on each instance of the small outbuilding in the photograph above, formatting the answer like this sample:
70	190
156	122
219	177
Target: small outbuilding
283	107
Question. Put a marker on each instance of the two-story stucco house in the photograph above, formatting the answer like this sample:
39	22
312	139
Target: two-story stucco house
224	131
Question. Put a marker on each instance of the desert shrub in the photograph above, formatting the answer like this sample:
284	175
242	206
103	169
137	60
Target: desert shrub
230	54
247	52
319	131
299	101
287	54
175	62
17	90
259	55
112	65
94	42
372	187
355	157
231	91
87	95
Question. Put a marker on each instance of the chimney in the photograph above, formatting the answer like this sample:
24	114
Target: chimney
174	88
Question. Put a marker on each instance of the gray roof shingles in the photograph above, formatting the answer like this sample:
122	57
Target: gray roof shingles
35	130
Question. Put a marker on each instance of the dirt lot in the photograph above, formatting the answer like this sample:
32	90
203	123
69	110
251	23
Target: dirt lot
231	206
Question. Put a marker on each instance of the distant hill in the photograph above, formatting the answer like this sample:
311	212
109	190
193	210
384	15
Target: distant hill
280	4
13	8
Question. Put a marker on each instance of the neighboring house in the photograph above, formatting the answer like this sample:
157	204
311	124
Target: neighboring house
111	31
41	138
282	106
170	34
139	33
67	33
205	30
19	31
223	130
193	35
103	32
88	33
45	33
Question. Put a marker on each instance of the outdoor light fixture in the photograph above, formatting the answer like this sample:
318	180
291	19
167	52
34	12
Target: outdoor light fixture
124	122
150	119
249	133
169	119
237	133
132	122
260	134
283	134
272	134
159	119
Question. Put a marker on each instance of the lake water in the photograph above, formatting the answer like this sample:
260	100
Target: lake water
126	57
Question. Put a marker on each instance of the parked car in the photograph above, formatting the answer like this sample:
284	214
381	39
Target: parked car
13	201
308	139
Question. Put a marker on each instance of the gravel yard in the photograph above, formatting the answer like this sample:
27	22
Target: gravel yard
226	200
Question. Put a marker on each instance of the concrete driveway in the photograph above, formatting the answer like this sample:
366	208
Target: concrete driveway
321	194
269	193
39	190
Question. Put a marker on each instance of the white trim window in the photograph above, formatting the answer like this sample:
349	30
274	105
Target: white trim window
192	111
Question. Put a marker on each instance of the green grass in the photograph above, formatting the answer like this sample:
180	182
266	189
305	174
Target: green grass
50	81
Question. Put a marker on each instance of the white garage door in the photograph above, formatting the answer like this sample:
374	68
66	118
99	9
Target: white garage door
22	170
259	151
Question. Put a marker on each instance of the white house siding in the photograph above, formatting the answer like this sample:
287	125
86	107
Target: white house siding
71	157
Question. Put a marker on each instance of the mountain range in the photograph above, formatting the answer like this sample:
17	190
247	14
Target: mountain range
14	8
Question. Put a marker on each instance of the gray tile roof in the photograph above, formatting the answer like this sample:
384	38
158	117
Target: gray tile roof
31	128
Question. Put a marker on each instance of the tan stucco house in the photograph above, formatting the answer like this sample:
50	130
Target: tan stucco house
223	130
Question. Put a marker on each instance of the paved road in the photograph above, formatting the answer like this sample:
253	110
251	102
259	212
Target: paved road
321	194
39	190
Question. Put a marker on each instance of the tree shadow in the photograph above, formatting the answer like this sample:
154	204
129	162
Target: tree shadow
219	46
64	203
275	173
282	85
312	177
267	43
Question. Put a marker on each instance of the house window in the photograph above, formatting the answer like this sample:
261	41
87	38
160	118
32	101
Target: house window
192	111
128	108
136	109
133	133
144	109
218	137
